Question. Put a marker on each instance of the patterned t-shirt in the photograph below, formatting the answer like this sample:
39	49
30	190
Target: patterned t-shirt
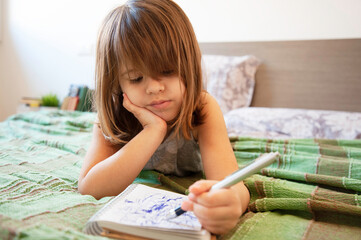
176	156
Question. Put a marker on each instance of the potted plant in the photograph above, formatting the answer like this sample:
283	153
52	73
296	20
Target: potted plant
50	102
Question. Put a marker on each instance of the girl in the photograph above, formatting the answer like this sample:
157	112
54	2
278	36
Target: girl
153	113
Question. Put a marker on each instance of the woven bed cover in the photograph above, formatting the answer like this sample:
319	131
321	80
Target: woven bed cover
311	192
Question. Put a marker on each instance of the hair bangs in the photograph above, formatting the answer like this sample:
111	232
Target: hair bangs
149	43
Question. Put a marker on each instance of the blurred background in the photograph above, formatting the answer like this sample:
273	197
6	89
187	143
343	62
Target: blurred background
47	45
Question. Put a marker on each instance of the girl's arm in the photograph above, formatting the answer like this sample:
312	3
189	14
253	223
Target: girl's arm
219	210
108	170
216	151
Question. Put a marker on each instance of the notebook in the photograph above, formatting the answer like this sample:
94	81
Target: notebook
141	211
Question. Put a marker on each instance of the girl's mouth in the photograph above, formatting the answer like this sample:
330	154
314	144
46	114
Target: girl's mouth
160	104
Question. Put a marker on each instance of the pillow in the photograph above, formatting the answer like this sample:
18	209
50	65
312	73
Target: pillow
293	123
230	79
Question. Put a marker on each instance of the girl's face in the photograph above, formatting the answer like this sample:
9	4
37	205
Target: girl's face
162	96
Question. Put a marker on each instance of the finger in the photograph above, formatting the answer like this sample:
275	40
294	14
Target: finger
187	205
128	104
201	186
192	197
217	223
220	228
218	198
131	107
217	213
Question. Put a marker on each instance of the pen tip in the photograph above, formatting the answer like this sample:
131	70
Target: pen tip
171	214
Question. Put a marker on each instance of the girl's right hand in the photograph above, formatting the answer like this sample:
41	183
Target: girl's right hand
144	116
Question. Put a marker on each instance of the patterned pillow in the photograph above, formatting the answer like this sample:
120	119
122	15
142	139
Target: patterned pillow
230	79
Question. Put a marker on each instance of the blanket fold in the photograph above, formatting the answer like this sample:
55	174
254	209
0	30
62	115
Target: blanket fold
315	180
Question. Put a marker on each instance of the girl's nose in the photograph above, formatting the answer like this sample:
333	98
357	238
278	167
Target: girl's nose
154	86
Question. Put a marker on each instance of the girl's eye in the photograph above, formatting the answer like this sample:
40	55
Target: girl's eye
136	80
167	72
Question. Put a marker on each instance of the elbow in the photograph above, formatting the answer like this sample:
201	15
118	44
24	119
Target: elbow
98	191
83	189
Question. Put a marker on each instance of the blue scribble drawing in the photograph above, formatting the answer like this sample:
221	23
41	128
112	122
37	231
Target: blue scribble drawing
149	208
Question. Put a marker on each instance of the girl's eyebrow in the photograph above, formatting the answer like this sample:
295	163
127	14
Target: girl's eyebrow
127	72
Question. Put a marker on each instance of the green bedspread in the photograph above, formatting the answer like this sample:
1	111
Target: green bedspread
311	192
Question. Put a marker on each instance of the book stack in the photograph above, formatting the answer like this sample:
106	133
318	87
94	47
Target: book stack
78	99
28	104
31	102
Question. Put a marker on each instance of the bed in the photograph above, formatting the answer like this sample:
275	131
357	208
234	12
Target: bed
300	98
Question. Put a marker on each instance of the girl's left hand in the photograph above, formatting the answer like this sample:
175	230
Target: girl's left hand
218	211
144	116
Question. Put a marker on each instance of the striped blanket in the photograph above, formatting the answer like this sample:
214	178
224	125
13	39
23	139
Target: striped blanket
311	192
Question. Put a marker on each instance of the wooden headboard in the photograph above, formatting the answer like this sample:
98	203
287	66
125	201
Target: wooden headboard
310	74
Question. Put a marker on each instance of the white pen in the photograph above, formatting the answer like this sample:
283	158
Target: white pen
261	162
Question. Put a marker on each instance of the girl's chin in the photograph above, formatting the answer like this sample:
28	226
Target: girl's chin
168	119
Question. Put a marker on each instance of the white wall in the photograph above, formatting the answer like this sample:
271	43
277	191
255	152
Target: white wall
47	45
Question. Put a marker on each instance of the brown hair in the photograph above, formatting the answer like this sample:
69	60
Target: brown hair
151	36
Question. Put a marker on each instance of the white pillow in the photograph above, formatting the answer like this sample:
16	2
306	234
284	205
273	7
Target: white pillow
293	123
230	79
